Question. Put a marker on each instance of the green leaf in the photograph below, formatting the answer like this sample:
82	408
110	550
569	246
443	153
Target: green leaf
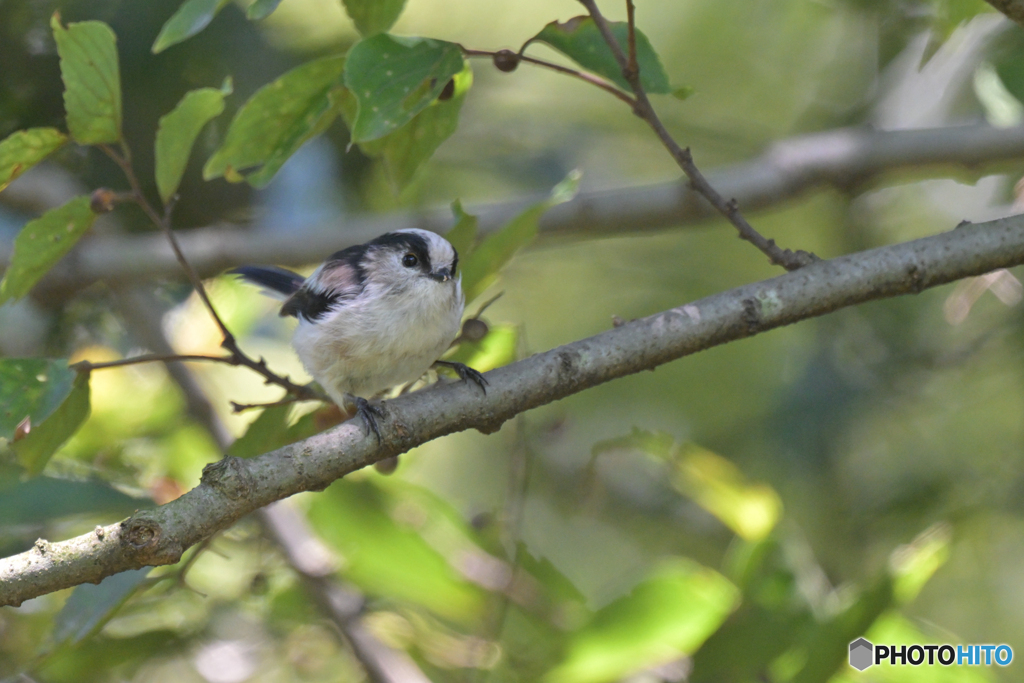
36	449
279	119
463	235
496	349
666	616
261	9
191	18
264	434
373	16
394	79
91	606
580	40
481	268
177	133
92	80
24	149
271	431
386	557
750	509
914	564
32	388
43	499
406	149
41	243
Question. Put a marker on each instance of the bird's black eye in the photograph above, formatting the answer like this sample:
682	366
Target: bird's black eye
410	260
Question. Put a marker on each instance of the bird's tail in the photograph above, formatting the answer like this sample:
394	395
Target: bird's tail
277	282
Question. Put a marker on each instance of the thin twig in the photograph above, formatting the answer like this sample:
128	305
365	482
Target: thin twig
633	64
729	208
286	401
124	160
582	75
89	366
229	343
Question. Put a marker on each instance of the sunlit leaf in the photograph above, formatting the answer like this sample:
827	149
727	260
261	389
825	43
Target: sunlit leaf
496	349
481	269
394	79
403	151
41	243
177	133
35	450
261	9
279	119
664	618
373	16
387	558
23	149
463	235
190	18
43	499
580	40
749	509
914	564
90	606
92	80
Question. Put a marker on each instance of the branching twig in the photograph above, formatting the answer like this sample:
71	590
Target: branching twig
729	208
229	343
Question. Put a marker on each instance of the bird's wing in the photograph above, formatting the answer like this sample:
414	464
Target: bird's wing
279	283
333	282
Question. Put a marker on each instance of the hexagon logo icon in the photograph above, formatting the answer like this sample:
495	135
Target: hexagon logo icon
861	651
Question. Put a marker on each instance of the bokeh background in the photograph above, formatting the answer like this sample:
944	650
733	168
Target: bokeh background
827	446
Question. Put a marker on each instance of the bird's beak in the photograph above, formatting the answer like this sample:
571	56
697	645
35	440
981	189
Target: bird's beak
442	274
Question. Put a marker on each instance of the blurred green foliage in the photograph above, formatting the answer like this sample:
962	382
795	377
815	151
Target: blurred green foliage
740	515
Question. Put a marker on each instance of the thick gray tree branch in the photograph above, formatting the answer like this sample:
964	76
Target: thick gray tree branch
232	488
843	158
1014	9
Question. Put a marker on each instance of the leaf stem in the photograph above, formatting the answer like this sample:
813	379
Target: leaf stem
583	76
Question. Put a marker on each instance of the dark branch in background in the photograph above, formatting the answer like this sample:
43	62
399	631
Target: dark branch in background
163	222
306	554
1014	9
729	208
233	488
845	159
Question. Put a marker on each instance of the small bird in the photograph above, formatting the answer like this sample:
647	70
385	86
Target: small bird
374	316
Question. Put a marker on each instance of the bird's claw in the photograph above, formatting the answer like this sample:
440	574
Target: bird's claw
466	373
369	412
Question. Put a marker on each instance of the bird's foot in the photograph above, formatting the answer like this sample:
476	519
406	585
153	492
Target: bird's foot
369	413
465	373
